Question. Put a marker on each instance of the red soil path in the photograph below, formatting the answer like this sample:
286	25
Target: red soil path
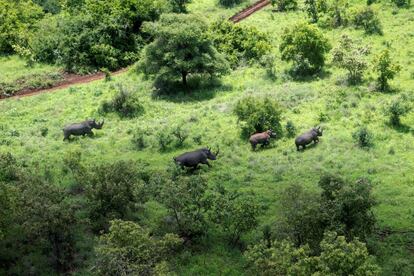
249	10
72	79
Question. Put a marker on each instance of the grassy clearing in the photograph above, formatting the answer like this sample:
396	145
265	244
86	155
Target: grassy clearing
15	75
389	164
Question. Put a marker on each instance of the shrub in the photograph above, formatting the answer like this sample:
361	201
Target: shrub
385	68
100	35
285	5
128	249
181	134
114	191
402	3
234	213
290	129
9	168
366	18
230	3
125	103
283	258
363	137
18	20
165	139
239	42
258	115
333	13
351	57
188	52
138	139
397	108
187	203
306	47
179	5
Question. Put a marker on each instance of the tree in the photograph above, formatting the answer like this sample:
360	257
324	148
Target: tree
180	48
187	203
179	6
128	249
385	68
258	115
238	42
17	21
230	3
234	213
306	47
114	191
351	57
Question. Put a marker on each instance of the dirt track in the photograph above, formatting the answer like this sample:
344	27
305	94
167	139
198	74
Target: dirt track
72	79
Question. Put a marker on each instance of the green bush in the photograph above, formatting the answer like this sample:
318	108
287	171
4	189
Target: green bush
138	139
18	20
230	3
180	133
258	115
402	3
385	68
397	108
125	103
333	13
367	19
305	46
239	42
315	8
114	191
128	249
285	5
9	168
351	57
290	129
363	137
99	35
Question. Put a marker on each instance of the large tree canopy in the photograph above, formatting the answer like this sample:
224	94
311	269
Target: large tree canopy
181	47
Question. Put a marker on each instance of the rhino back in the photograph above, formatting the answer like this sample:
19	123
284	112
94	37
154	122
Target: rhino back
304	138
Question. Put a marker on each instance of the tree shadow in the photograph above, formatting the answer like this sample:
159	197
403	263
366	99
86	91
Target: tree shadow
197	90
401	128
296	76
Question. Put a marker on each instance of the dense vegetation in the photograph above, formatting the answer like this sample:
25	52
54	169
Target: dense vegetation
116	204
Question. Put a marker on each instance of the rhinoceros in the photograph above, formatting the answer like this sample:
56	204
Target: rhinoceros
81	129
307	137
194	158
262	138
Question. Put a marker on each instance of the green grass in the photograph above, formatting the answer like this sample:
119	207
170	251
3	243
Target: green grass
15	75
389	164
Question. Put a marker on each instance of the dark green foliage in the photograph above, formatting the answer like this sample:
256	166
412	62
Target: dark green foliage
239	42
235	213
9	168
181	134
128	249
41	238
138	139
230	3
347	206
186	201
17	20
100	35
337	257
315	9
363	137
366	18
333	13
179	5
165	139
300	218
385	68
290	129
306	47
402	3
50	6
181	48
258	115
285	5
397	108
114	191
125	103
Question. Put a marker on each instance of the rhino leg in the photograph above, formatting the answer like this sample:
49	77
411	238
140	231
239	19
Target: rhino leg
206	163
253	146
